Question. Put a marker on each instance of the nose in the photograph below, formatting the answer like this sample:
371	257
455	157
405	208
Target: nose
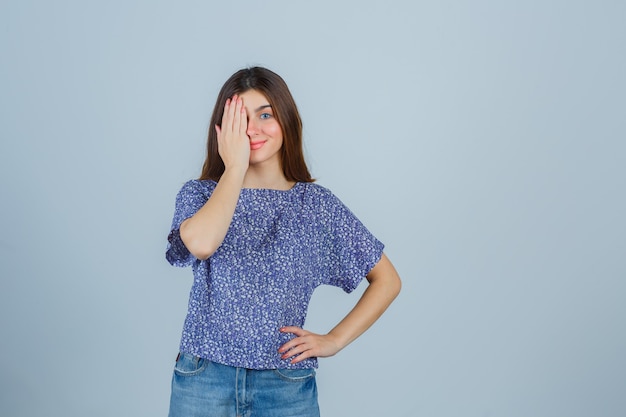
252	128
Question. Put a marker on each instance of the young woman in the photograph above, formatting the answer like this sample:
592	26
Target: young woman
260	237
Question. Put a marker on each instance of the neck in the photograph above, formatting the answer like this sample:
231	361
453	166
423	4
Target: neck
256	177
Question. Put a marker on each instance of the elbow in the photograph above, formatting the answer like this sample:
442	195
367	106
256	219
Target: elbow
201	253
385	275
393	284
389	286
199	250
397	285
199	247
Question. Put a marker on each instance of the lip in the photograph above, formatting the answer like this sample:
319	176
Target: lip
257	145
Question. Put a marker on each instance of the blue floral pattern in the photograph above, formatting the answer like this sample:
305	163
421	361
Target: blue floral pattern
280	246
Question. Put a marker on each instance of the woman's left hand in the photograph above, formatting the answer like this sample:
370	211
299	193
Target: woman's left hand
307	344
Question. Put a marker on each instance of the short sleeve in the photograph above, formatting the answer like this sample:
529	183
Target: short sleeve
191	197
352	251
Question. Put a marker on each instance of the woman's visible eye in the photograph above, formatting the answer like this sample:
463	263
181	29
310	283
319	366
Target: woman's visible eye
265	115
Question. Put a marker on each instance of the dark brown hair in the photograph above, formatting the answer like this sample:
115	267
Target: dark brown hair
274	88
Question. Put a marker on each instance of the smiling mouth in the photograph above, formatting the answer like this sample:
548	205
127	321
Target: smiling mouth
256	145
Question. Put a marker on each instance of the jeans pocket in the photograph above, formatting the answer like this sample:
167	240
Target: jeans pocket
295	375
189	365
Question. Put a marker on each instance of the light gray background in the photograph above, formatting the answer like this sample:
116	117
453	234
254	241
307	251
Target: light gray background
483	142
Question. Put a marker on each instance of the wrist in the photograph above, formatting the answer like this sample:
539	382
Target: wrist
235	171
336	339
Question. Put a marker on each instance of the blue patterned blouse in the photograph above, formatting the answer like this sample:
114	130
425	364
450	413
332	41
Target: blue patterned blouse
280	246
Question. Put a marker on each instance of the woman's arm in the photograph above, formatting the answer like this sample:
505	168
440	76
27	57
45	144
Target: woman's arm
384	286
204	232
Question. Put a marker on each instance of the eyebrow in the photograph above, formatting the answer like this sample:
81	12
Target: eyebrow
258	109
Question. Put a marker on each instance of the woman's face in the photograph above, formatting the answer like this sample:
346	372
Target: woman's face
266	137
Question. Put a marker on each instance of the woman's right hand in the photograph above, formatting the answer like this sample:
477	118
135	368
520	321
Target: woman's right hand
204	232
233	144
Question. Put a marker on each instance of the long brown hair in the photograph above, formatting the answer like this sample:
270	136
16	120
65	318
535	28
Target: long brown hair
274	88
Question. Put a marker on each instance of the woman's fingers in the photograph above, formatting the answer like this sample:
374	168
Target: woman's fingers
239	117
234	117
290	348
228	117
298	350
235	111
293	342
225	116
298	331
306	344
243	125
233	142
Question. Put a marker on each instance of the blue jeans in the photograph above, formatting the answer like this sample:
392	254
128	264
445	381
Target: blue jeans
204	388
